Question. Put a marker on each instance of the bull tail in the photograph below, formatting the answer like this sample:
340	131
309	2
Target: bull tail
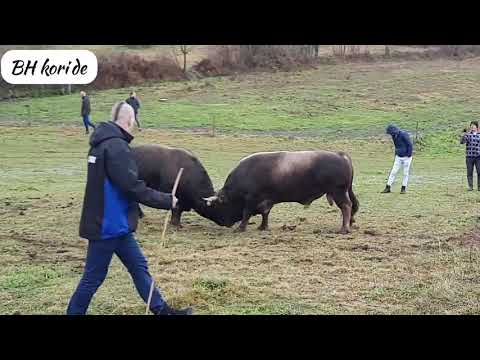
353	198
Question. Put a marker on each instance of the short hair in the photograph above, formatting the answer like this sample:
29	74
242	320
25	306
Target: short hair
474	123
124	112
132	92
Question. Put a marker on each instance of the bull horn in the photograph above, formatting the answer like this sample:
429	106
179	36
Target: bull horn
210	200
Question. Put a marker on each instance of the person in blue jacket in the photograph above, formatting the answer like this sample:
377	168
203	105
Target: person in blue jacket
403	157
110	213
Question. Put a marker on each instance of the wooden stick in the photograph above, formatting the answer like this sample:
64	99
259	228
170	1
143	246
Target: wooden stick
149	296
174	191
167	217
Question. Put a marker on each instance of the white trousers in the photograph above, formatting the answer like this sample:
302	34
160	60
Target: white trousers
400	162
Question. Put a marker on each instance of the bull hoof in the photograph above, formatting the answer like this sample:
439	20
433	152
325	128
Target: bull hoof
239	230
344	231
262	228
176	225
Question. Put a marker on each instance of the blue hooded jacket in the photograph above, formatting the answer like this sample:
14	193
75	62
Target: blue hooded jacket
402	141
114	189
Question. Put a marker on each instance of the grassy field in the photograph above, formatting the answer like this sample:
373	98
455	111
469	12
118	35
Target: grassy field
412	254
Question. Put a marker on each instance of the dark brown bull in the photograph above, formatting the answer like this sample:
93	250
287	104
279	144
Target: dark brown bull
158	166
264	179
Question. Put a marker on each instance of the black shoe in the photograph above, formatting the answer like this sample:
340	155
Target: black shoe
386	190
167	310
404	190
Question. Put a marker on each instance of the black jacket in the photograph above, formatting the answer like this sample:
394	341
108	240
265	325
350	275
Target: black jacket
85	105
113	190
134	103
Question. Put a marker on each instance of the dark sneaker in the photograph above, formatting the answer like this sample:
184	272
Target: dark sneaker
167	310
404	190
470	189
386	190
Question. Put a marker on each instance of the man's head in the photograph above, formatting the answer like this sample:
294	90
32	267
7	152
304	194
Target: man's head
392	130
82	93
133	94
474	126
124	116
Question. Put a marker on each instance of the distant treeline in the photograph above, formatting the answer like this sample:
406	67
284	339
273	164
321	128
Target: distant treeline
125	69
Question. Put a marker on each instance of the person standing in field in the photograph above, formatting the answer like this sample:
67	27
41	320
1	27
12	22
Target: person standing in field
135	104
111	211
85	111
472	141
403	157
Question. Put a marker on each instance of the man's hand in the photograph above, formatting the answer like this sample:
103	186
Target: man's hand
174	202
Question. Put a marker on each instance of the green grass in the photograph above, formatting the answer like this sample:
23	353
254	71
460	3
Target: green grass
412	264
412	254
354	100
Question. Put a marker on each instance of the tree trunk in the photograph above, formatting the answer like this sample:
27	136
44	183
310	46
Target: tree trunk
387	50
185	62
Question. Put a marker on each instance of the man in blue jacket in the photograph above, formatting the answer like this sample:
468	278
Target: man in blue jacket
403	157
110	213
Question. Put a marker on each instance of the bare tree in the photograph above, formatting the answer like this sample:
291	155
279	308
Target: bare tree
387	50
182	50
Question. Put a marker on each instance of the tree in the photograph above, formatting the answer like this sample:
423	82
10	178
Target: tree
182	50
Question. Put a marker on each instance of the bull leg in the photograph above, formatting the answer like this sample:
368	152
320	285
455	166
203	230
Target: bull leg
343	201
247	214
265	208
176	217
264	225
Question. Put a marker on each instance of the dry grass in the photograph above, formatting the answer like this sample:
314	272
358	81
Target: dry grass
405	257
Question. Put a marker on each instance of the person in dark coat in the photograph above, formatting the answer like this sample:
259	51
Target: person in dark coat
472	153
135	104
85	111
403	157
111	211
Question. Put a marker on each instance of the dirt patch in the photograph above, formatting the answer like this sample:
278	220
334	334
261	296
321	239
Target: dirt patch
471	238
371	232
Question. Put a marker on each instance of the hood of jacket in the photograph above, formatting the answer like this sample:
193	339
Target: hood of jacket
392	130
109	130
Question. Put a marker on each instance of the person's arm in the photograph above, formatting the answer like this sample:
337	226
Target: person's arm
87	106
464	139
82	111
138	103
409	144
122	170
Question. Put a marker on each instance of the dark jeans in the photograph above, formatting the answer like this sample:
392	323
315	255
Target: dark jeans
99	255
136	119
473	162
87	122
